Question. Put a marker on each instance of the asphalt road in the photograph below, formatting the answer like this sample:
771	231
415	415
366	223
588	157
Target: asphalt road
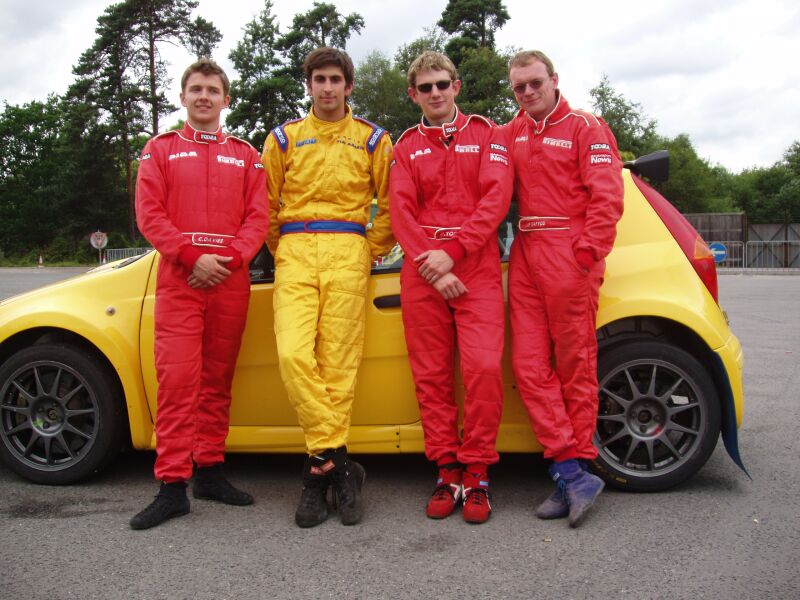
720	535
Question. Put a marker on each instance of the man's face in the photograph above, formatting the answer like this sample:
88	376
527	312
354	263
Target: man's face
204	99
437	104
329	91
534	89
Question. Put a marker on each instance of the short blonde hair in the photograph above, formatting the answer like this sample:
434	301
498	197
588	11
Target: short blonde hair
521	59
430	61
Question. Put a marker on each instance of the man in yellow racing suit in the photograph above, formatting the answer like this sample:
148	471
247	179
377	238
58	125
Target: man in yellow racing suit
323	172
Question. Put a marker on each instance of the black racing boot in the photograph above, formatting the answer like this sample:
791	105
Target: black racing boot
313	507
170	502
210	484
347	477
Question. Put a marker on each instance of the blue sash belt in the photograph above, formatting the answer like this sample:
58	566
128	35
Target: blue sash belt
323	227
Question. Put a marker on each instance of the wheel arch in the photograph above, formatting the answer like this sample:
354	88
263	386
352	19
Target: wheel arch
133	411
627	329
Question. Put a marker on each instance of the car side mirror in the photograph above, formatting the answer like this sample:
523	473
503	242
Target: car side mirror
654	166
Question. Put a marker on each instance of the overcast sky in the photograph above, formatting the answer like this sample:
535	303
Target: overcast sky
724	72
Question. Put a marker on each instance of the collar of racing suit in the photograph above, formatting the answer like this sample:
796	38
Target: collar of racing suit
445	131
559	111
331	126
203	137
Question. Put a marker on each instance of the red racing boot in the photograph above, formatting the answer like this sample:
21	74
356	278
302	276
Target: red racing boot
477	506
447	492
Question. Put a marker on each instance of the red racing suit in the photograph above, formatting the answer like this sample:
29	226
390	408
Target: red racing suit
197	193
569	188
450	189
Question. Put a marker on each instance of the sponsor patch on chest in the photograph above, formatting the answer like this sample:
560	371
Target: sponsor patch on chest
522	138
598	147
557	143
467	148
422	152
230	160
190	154
495	157
305	142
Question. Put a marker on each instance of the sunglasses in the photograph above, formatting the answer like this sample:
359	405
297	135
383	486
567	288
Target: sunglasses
440	85
535	85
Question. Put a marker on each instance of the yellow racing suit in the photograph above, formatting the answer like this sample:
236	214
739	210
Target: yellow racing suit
322	178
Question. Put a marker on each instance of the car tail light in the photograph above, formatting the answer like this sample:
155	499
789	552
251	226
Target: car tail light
693	246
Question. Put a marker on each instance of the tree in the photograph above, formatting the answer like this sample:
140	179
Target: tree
433	39
381	95
321	26
29	213
633	130
485	89
266	94
112	79
155	22
693	186
474	19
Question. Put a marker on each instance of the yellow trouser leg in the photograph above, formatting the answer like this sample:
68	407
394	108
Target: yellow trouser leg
319	301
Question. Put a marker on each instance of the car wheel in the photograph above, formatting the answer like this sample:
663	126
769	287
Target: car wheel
61	418
658	418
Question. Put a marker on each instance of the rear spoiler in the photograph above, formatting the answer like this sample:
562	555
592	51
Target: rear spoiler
654	166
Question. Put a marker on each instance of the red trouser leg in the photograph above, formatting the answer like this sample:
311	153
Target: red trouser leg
480	327
553	304
179	318
197	338
429	329
226	314
477	319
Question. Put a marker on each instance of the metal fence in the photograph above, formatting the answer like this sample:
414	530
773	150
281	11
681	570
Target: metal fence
112	254
761	254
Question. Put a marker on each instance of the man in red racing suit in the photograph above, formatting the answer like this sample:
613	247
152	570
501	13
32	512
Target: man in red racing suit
450	188
569	188
201	202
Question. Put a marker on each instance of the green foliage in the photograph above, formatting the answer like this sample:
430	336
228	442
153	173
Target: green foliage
633	130
380	95
323	25
477	20
29	170
433	39
485	89
266	94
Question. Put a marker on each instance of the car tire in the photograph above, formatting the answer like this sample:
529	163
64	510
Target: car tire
658	417
61	416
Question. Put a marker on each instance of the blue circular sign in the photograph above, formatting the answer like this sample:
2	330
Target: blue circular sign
719	250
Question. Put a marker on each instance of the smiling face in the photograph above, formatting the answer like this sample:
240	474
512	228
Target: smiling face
437	104
534	88
329	91
204	98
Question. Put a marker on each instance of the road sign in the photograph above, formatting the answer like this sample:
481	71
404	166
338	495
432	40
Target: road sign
719	250
98	240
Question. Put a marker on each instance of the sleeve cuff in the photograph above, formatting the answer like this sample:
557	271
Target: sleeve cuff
189	255
454	250
585	258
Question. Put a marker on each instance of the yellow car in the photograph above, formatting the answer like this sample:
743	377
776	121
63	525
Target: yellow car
78	383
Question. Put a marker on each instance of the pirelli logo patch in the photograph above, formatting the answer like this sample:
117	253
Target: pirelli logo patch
230	160
468	148
555	142
600	159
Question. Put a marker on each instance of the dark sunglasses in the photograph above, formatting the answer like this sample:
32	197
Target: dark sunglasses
535	84
440	85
